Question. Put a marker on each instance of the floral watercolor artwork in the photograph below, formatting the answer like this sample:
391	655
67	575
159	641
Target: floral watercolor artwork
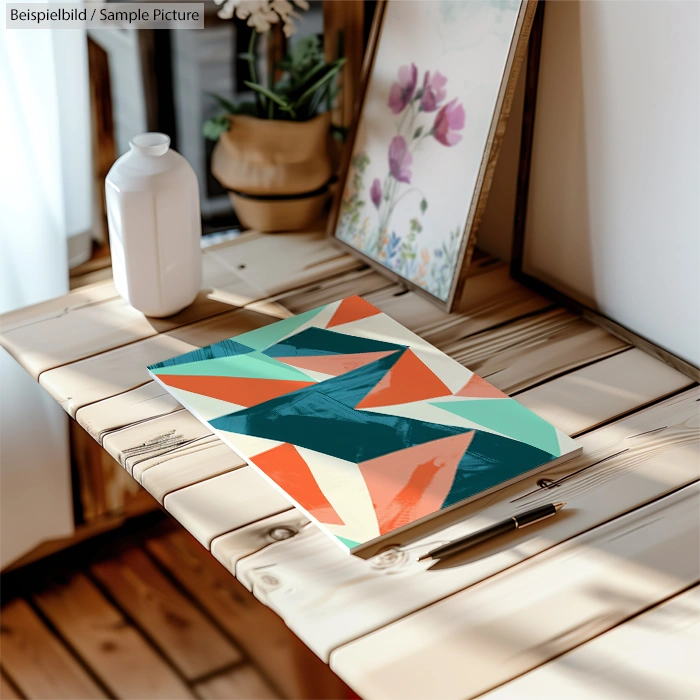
422	134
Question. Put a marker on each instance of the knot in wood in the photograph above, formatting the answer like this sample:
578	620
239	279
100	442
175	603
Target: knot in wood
391	558
281	533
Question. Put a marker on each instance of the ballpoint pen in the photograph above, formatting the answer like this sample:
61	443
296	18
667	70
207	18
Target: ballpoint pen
516	522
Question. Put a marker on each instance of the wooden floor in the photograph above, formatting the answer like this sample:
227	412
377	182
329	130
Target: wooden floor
145	612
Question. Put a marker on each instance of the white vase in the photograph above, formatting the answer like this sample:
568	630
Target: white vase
154	227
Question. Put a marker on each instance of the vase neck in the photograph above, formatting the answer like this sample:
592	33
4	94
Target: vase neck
150	144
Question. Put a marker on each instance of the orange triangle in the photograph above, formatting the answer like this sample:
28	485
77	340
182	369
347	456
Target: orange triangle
287	468
409	484
352	309
408	380
333	364
478	388
245	391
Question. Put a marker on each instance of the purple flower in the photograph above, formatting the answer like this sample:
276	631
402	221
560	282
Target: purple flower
400	159
375	192
402	91
433	91
447	121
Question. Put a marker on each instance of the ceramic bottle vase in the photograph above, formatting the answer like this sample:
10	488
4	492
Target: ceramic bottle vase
154	227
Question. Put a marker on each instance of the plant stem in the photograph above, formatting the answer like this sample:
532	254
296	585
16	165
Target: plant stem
253	72
270	77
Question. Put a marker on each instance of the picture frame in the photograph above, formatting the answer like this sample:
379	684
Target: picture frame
433	264
517	270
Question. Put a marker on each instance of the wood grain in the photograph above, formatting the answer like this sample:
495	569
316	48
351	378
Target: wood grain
267	641
76	326
104	487
146	402
109	373
224	503
589	396
152	438
8	690
311	296
113	648
484	636
533	349
38	664
181	632
186	466
298	259
93	294
240	683
491	298
653	655
328	598
89	330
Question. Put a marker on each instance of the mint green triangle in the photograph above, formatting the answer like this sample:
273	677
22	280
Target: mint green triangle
350	544
253	364
508	417
262	338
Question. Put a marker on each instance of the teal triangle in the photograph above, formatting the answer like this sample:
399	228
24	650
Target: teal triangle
262	338
223	348
508	417
253	364
350	544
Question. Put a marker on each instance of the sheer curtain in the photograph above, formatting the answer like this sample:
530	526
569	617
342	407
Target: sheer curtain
45	197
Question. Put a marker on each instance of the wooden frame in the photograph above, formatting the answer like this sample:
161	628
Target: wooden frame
487	167
516	265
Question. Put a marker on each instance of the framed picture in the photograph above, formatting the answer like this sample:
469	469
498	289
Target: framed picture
439	81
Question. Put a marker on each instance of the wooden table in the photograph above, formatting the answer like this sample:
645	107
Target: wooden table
599	602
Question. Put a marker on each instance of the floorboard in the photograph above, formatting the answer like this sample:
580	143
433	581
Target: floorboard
147	613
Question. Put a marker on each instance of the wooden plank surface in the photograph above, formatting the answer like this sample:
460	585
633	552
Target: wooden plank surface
272	647
89	330
299	258
186	466
37	663
533	349
108	373
653	655
622	383
135	444
224	503
7	690
240	683
179	630
328	598
53	308
491	298
62	331
490	633
113	648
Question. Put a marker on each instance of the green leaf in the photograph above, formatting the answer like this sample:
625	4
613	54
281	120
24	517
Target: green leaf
417	132
225	104
248	108
423	205
246	56
334	70
213	128
283	102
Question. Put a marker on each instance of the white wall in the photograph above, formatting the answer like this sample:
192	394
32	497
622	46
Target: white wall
614	207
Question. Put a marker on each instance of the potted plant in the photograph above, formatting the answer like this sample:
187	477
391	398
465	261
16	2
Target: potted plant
273	153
